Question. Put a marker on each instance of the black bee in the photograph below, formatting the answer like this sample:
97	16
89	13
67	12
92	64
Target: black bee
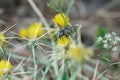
66	31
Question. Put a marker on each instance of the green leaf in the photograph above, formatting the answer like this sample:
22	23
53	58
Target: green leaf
65	76
101	31
104	58
56	5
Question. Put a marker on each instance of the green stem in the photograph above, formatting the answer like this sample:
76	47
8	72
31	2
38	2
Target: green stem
55	66
35	64
70	7
61	5
3	53
38	12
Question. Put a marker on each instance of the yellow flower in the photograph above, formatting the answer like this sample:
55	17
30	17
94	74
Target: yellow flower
23	33
2	39
1	74
63	41
61	20
79	52
5	67
35	30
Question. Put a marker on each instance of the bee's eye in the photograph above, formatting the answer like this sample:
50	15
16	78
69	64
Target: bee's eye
67	32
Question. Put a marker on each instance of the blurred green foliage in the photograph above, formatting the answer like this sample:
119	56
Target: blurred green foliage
56	5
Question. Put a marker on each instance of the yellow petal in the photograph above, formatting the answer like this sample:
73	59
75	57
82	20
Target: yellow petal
61	20
63	41
23	33
1	73
35	30
79	52
5	66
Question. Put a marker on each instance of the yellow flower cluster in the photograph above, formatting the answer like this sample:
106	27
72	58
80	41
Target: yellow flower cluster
5	67
61	20
2	39
79	52
63	41
33	31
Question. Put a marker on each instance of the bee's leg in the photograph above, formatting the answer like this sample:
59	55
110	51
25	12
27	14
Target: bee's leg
72	33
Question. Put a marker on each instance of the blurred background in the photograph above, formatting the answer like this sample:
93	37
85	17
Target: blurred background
90	13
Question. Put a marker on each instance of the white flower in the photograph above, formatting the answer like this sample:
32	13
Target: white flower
110	41
113	33
115	42
107	36
99	39
114	48
105	46
105	41
117	38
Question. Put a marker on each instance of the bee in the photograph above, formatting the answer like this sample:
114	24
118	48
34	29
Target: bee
66	31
